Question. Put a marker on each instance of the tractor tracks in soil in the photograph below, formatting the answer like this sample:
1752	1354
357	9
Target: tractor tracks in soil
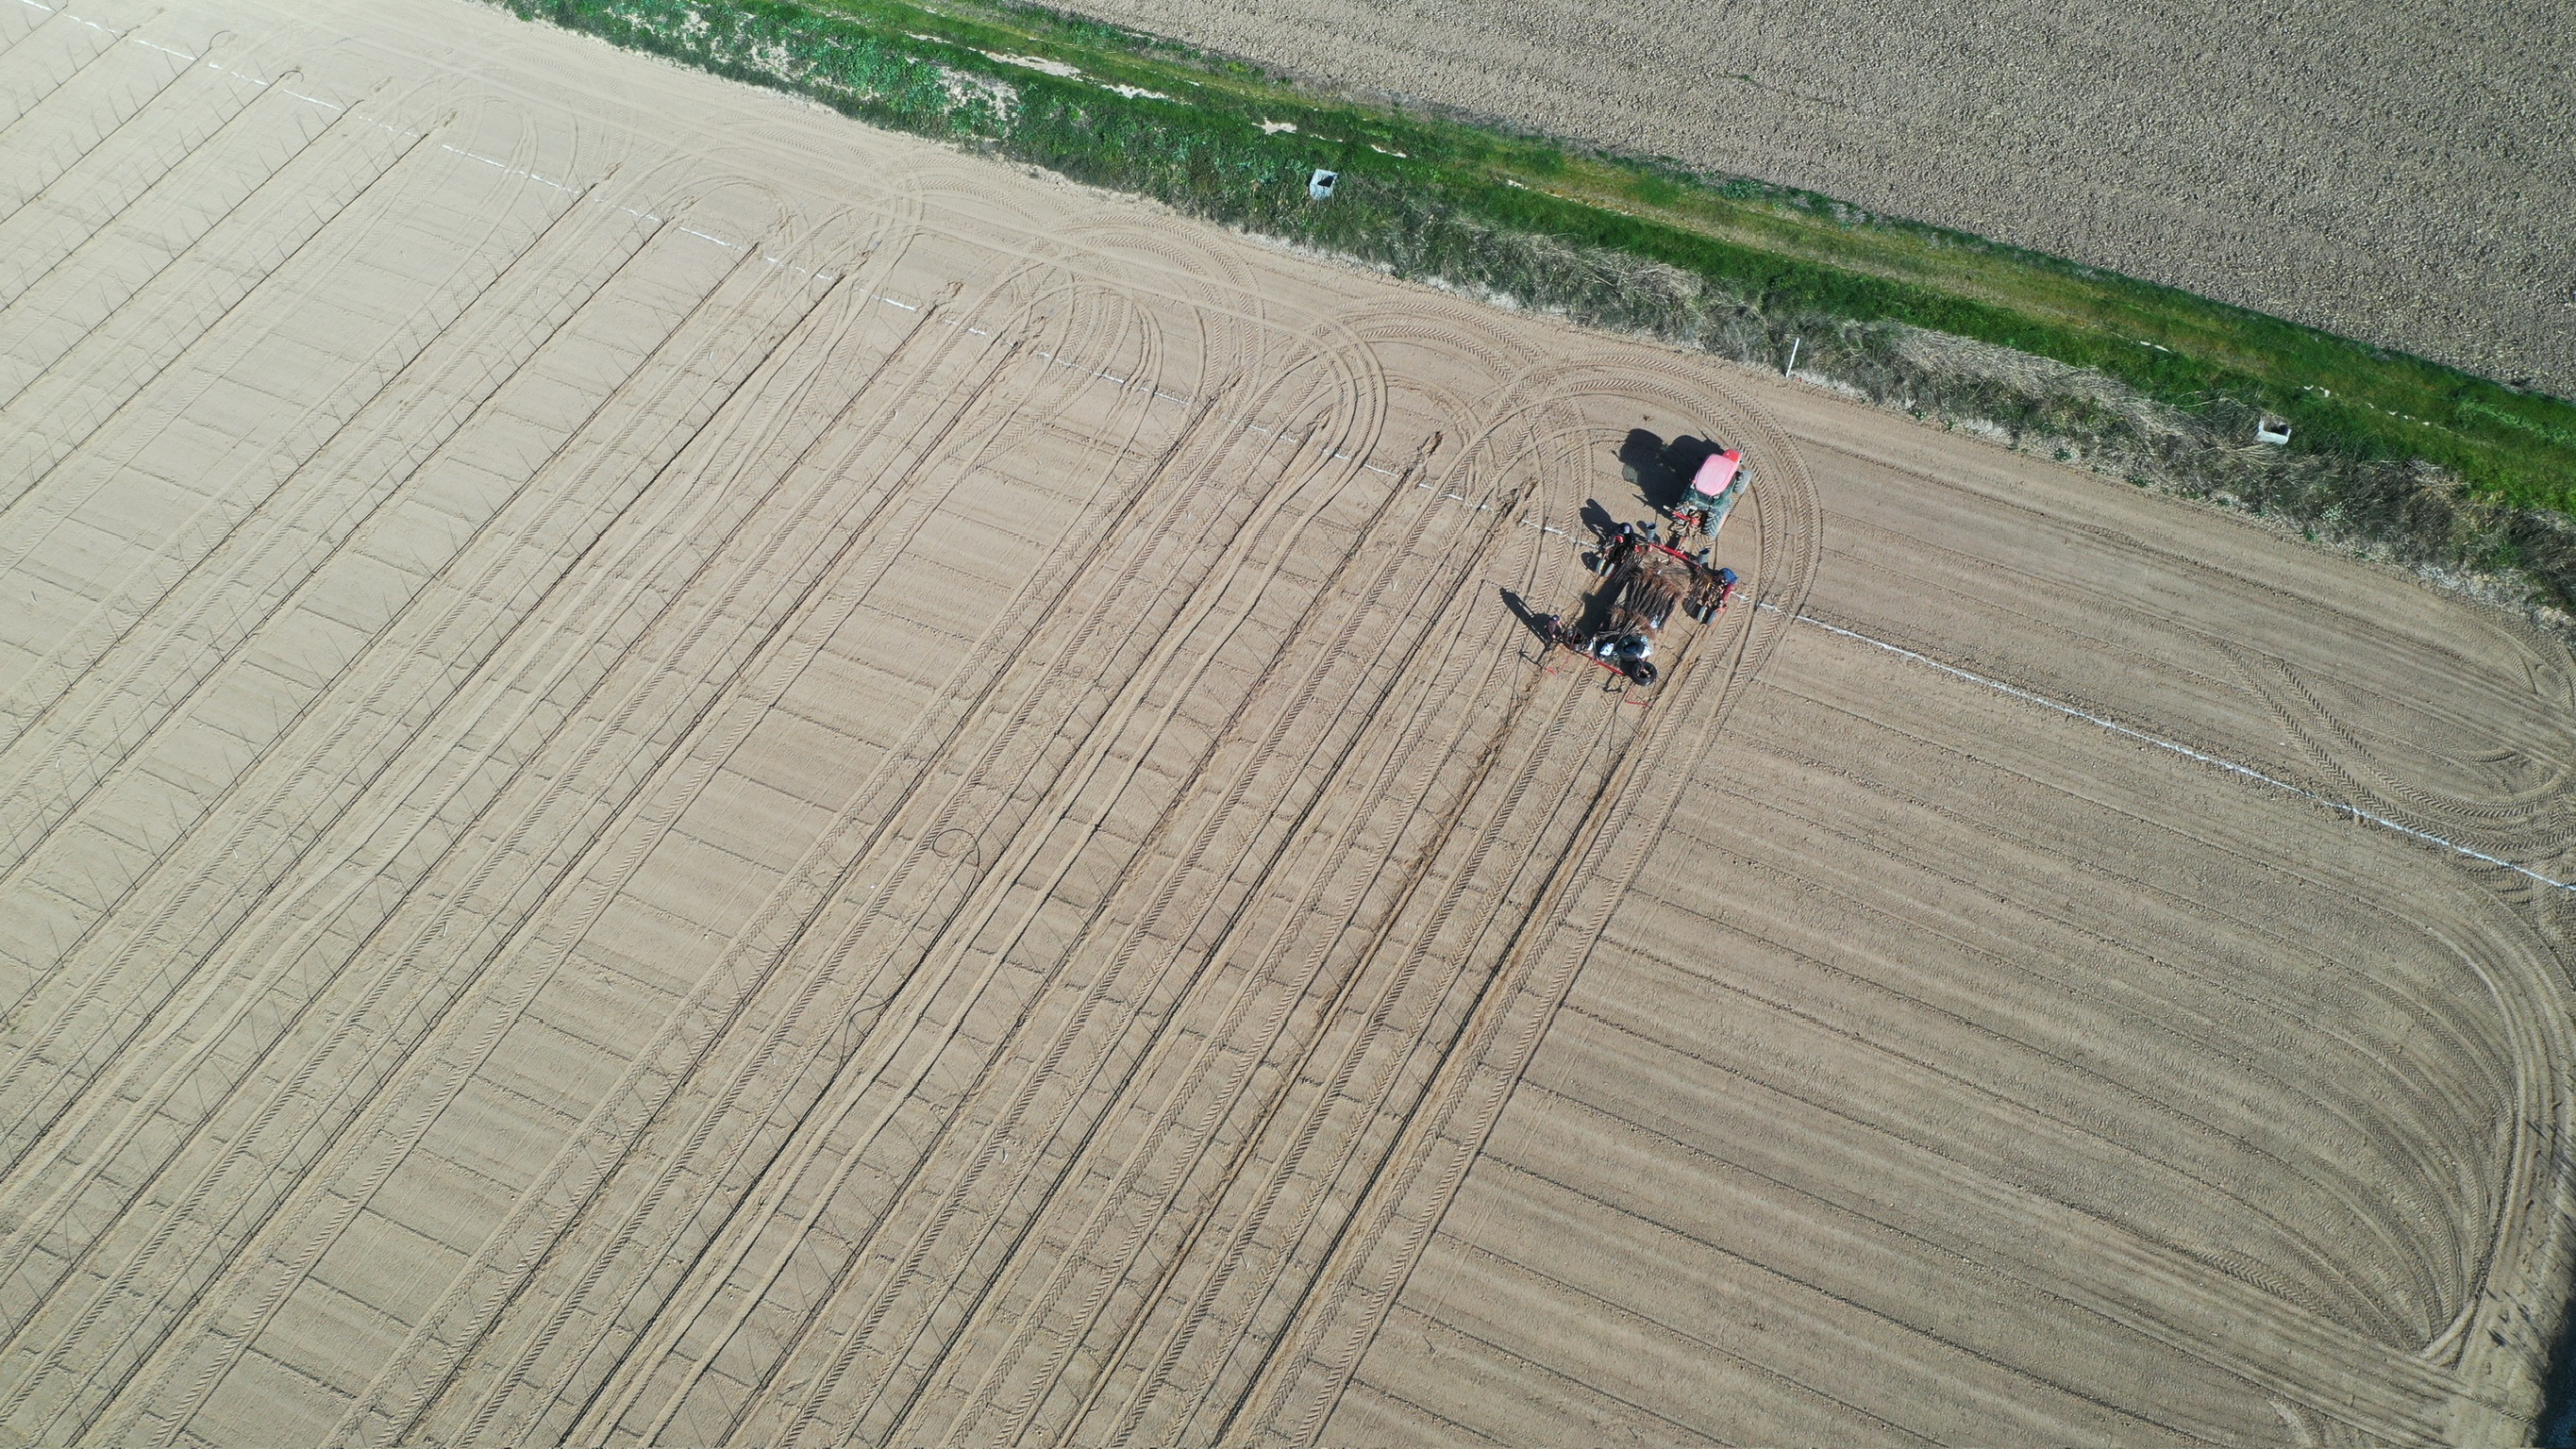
792	789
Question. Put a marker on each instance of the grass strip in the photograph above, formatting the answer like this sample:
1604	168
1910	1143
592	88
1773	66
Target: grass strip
1734	265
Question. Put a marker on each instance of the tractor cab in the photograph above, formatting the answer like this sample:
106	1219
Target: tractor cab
1712	494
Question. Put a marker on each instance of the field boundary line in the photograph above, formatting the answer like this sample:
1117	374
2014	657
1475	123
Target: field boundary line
2176	747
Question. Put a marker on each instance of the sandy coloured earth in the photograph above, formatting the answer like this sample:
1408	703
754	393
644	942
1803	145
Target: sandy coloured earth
674	771
2395	173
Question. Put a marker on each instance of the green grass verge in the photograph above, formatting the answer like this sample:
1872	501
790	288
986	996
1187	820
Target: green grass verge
1426	195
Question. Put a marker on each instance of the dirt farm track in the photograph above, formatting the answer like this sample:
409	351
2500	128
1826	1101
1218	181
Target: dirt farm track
671	771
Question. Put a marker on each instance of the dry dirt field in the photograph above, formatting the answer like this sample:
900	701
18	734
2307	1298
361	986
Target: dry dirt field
2396	173
671	771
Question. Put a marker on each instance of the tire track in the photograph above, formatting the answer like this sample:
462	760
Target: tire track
22	1178
519	1377
1975	951
309	1248
1134	1163
2458	1036
851	604
382	743
114	224
104	138
1340	849
2392	1392
1045	1063
140	380
1018	859
191	1199
373	420
1790	515
1452	680
2447	815
35	101
878	895
1124	1178
1359	393
2542	662
1377	1018
709	1038
240	780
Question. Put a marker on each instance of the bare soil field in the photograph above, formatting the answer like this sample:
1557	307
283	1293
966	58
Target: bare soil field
2397	174
674	772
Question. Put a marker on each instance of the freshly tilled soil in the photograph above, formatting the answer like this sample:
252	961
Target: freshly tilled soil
674	772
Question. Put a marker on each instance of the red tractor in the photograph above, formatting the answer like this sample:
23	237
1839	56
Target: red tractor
1712	494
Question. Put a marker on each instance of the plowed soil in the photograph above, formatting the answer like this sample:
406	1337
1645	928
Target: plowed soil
2395	173
671	771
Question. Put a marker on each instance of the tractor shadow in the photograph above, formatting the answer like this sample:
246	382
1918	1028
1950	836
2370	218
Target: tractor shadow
1661	470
